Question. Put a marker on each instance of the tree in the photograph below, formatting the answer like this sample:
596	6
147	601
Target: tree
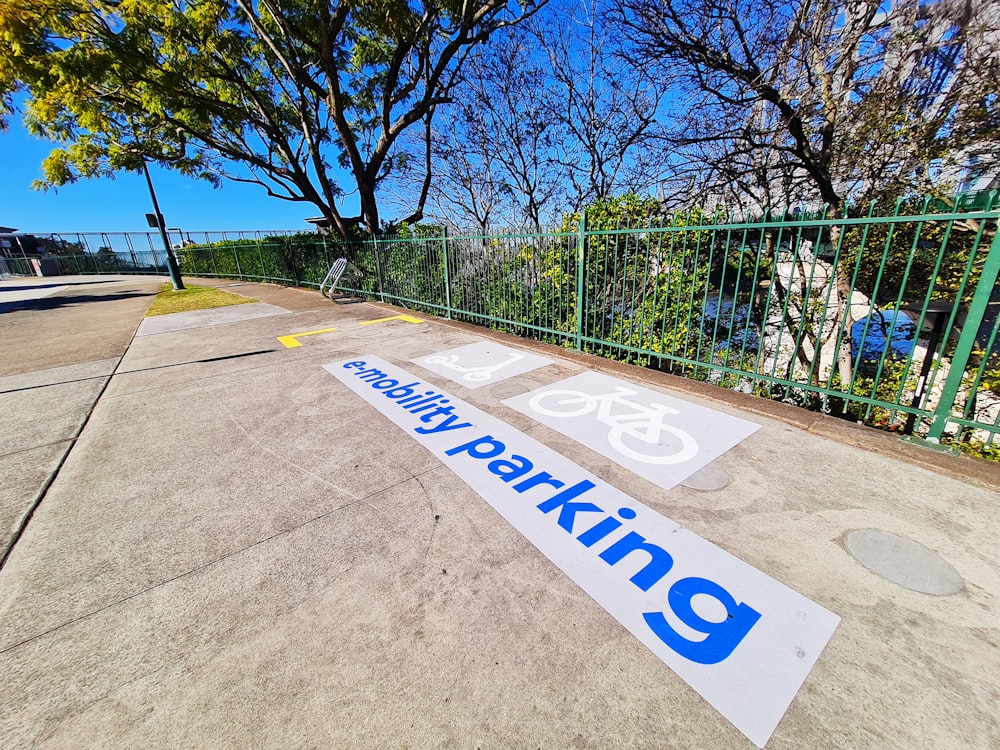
829	99
274	92
607	111
467	186
825	101
547	120
503	126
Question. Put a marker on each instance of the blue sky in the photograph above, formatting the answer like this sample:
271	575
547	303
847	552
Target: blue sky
121	204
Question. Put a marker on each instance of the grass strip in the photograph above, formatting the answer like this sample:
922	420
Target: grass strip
193	298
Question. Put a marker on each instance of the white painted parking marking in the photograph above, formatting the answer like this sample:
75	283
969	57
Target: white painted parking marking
744	641
480	364
659	437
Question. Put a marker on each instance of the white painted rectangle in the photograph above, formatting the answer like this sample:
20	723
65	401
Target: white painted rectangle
744	641
659	437
482	363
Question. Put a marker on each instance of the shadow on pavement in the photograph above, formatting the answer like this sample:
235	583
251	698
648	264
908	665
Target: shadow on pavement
25	288
142	369
53	303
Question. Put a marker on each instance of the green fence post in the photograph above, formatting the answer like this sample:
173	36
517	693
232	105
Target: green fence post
967	341
581	244
447	273
378	268
260	257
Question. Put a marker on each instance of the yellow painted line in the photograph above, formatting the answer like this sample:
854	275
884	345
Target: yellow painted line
407	318
292	339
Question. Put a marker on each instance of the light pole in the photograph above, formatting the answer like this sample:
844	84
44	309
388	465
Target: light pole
172	267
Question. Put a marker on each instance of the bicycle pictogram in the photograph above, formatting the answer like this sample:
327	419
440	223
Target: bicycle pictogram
642	425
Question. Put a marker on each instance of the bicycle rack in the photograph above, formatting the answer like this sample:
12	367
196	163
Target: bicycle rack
340	270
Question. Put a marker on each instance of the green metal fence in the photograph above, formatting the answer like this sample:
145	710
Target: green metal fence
890	320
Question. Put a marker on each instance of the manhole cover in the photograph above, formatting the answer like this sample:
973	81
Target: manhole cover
903	561
708	478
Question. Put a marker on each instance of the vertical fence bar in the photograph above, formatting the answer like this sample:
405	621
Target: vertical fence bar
606	303
689	256
846	321
966	342
378	267
260	257
447	272
581	244
969	412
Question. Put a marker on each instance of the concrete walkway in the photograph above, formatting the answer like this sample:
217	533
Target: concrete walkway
225	547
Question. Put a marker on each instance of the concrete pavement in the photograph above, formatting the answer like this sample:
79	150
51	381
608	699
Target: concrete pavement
236	551
60	338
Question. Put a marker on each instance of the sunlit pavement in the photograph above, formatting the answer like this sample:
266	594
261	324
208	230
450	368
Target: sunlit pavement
218	544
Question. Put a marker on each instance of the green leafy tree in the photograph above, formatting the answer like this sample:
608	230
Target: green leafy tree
272	92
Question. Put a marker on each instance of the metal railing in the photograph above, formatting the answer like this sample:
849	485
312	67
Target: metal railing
890	320
126	243
118	252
